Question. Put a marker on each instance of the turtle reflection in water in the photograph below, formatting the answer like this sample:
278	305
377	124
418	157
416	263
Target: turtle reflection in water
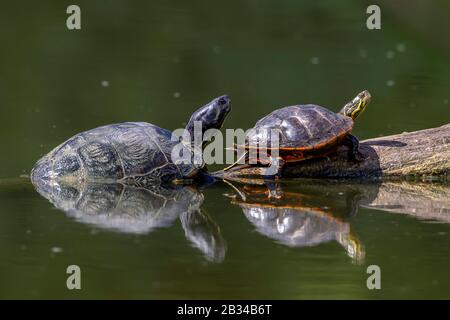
137	210
291	222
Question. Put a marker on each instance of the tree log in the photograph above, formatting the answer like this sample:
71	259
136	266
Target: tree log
424	153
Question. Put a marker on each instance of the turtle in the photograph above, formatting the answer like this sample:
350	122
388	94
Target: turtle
296	219
300	132
138	153
137	210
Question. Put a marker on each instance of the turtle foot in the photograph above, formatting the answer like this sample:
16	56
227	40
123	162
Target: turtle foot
358	157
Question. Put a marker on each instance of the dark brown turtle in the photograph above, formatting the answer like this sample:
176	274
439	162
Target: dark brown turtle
296	133
131	152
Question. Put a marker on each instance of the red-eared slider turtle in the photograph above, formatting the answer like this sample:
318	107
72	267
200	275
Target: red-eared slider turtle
301	132
131	152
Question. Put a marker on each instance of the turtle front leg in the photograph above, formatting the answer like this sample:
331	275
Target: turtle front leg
353	148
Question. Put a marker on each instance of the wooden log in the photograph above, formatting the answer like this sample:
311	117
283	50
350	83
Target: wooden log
424	153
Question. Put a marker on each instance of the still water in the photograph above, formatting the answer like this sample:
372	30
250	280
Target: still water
157	62
314	242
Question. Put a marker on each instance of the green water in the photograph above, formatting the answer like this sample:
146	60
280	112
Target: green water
163	59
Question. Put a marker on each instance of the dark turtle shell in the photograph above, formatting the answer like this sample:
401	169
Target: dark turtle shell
301	127
136	152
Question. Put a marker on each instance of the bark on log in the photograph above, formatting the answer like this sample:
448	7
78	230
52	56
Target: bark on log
424	153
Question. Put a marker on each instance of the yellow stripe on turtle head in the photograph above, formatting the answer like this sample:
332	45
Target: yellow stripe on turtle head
358	109
354	108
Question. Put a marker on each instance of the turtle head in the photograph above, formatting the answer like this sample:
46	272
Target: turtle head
210	116
355	107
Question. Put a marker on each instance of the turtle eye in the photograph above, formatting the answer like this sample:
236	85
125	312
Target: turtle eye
222	100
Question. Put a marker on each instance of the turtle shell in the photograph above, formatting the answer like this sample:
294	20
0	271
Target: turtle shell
131	151
300	127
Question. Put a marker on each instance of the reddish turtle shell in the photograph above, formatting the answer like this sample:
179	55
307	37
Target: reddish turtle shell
303	131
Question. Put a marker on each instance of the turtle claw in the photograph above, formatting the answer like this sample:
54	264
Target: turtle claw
358	157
